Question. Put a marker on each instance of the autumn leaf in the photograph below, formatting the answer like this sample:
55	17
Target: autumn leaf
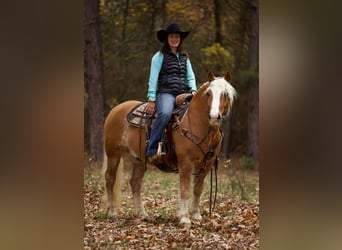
234	224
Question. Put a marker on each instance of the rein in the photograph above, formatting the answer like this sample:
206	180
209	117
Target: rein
211	208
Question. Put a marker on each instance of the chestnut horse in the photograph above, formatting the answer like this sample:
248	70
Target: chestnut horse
197	144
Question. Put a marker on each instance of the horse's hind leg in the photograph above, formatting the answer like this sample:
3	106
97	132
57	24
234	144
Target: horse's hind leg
136	184
113	178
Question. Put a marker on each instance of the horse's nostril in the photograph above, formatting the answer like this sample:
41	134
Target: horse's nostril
219	117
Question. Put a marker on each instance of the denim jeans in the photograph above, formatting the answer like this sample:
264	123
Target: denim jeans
165	104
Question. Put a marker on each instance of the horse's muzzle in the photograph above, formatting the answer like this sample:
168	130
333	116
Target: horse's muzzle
215	119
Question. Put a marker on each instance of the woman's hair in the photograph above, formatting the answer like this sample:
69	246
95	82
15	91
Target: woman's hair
165	49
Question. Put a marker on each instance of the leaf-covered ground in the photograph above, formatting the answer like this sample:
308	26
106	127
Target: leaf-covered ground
234	224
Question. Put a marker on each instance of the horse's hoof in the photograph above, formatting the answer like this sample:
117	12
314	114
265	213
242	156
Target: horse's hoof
184	221
196	216
144	215
111	213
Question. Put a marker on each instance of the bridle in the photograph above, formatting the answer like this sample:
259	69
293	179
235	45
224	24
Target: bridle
207	150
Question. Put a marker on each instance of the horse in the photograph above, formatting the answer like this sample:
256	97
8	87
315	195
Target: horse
197	143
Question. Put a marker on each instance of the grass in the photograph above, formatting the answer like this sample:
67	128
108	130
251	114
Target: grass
157	182
234	179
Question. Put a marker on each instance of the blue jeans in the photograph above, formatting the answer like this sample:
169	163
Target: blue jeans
165	104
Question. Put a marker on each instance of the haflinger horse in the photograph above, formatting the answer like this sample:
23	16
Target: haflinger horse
195	152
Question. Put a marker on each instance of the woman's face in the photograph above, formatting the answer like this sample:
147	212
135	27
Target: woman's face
173	39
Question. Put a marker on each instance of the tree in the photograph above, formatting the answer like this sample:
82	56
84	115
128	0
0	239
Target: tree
94	80
220	40
218	27
253	93
158	15
241	31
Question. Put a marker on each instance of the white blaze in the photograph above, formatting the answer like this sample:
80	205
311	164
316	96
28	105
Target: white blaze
218	87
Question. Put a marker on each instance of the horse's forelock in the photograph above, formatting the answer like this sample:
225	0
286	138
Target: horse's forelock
221	84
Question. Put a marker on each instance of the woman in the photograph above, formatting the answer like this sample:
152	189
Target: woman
171	74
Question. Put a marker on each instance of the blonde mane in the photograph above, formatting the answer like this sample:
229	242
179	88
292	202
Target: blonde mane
222	85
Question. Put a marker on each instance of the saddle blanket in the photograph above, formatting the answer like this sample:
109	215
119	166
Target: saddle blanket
139	118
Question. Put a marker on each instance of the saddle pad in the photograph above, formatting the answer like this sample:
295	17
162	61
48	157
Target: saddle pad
139	118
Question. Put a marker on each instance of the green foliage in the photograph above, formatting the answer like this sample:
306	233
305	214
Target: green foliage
249	76
240	182
218	58
240	186
129	41
101	216
249	162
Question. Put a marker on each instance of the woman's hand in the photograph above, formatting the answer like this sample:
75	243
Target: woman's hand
150	107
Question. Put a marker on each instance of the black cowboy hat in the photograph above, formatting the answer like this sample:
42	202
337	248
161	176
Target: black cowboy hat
172	28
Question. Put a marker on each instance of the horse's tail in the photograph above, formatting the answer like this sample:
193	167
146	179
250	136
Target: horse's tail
103	207
117	195
104	164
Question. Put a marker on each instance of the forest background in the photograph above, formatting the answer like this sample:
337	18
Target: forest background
120	39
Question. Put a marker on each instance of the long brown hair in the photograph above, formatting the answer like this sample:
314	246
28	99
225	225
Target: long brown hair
165	49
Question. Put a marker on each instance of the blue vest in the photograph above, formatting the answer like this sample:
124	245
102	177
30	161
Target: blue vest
172	76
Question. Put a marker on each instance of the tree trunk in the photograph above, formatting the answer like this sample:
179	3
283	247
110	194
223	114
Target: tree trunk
158	15
124	19
253	95
242	29
218	9
226	132
94	79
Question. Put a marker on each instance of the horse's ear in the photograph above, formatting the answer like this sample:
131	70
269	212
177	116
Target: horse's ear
228	76
211	76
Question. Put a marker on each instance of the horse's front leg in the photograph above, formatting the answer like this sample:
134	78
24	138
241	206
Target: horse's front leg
198	188
184	194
